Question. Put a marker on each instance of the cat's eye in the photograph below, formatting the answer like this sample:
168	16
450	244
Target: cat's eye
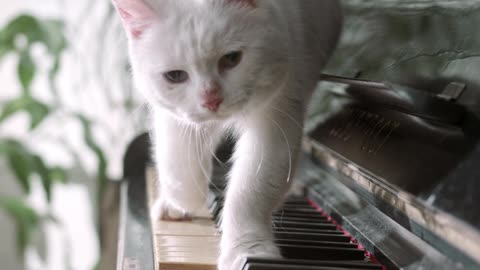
230	60
176	76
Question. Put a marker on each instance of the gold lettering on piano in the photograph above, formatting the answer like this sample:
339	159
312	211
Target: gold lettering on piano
373	129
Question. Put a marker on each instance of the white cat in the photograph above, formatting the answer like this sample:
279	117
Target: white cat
246	66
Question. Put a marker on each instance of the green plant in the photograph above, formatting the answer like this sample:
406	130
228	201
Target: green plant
18	38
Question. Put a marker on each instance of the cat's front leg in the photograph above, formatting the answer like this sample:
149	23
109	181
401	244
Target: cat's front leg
262	173
183	155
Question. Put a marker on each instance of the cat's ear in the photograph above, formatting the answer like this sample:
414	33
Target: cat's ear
251	3
136	16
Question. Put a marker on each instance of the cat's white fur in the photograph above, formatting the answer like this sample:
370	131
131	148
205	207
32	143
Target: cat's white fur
285	45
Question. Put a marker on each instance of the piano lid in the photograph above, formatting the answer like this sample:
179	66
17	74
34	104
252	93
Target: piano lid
412	151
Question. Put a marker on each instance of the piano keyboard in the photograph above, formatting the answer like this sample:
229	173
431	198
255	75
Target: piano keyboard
307	237
190	245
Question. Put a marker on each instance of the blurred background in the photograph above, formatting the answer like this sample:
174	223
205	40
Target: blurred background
68	111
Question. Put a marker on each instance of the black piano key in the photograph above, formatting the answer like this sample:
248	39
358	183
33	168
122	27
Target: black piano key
217	210
294	230
298	206
295	205
295	199
310	216
213	206
301	210
216	192
296	264
302	203
212	197
216	214
218	220
312	236
304	220
315	243
321	253
305	225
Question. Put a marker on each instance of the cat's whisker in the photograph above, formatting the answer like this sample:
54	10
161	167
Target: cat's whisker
274	225
212	151
289	149
221	163
240	96
261	162
252	242
200	154
205	173
192	173
209	147
183	131
289	116
235	102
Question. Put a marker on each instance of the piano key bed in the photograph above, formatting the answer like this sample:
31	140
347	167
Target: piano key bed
308	239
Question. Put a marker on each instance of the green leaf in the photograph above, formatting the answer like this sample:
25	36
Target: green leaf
48	176
19	160
58	174
44	174
22	167
37	110
7	44
4	49
102	161
23	24
24	164
26	70
52	75
27	221
53	36
48	32
12	107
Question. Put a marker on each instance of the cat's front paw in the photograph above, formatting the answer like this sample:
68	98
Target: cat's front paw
163	210
233	258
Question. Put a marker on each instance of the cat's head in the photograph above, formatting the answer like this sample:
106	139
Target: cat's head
204	60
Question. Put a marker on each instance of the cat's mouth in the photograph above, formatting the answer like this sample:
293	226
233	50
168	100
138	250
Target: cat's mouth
225	112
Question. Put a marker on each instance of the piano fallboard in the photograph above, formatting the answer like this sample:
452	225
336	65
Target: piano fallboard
420	169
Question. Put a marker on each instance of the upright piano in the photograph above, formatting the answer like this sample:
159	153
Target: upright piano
389	179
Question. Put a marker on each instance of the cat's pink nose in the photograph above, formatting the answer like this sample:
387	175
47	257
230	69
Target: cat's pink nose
213	104
212	100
